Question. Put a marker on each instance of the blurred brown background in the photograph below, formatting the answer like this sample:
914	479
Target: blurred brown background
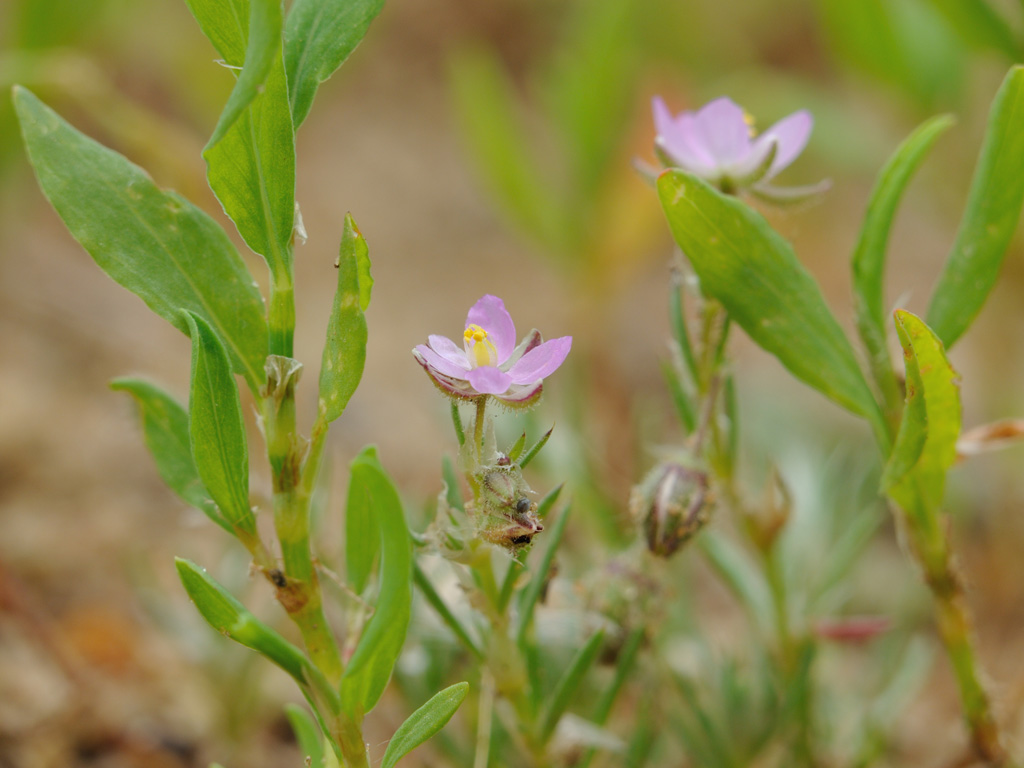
102	661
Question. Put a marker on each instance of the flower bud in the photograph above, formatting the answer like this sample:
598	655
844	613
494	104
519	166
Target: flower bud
505	515
671	504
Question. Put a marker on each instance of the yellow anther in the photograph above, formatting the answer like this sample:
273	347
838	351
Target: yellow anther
749	120
480	349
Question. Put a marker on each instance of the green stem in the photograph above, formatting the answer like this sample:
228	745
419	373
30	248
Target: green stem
478	429
281	315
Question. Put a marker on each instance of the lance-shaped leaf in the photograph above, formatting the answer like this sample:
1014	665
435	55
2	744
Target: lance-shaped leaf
988	223
154	243
570	681
752	270
229	617
980	25
345	349
216	427
925	448
869	256
424	723
307	734
252	172
319	35
362	533
226	24
165	427
377	651
264	41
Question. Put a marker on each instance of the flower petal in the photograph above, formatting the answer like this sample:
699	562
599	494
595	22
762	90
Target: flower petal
522	396
531	340
664	124
541	361
490	314
489	381
428	358
791	133
722	128
449	350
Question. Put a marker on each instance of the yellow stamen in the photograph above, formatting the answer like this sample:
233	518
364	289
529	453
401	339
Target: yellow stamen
749	120
480	349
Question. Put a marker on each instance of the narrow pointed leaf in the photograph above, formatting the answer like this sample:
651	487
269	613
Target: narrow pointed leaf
307	734
265	24
165	427
229	617
226	24
362	533
423	582
532	452
154	243
531	595
977	22
925	449
319	35
252	172
988	223
377	651
569	683
216	427
753	271
345	348
424	723
485	104
869	255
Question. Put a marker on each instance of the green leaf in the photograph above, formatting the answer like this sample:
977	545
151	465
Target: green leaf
319	35
377	651
570	681
165	427
753	272
252	172
345	349
216	427
264	41
154	243
226	24
424	723
988	223
307	734
530	596
979	25
869	255
925	449
427	588
485	104
229	617
362	533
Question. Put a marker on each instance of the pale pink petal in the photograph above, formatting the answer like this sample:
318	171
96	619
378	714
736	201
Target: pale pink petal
663	122
489	381
520	394
757	157
447	349
723	130
533	339
430	359
792	134
490	314
541	361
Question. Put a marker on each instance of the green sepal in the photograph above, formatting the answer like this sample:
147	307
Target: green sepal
154	243
424	723
216	427
345	349
165	428
381	642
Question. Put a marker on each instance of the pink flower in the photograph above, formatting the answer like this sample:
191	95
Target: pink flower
489	362
718	143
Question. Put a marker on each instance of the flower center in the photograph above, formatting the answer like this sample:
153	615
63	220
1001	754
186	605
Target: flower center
479	349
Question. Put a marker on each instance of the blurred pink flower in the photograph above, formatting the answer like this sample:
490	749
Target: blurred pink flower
489	362
718	143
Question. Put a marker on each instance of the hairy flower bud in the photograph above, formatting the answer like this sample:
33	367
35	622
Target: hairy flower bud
671	505
505	515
